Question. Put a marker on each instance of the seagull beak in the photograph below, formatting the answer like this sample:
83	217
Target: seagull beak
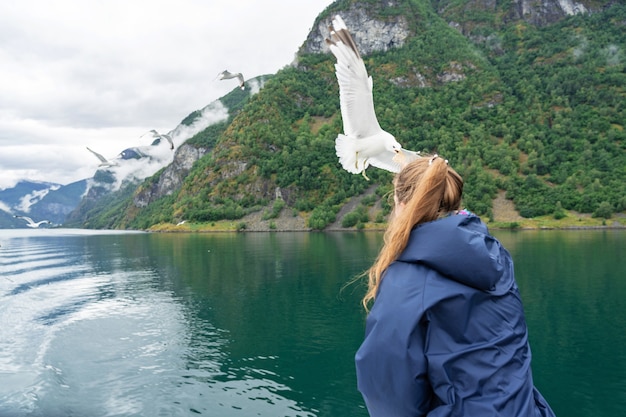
399	158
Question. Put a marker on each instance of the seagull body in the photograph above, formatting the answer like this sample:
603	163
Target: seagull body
103	161
364	142
31	223
227	75
158	136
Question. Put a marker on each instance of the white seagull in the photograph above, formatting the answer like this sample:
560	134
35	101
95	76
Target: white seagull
103	161
31	223
226	75
157	135
364	142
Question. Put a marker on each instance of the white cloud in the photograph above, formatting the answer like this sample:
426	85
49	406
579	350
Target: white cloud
5	207
213	113
29	199
79	73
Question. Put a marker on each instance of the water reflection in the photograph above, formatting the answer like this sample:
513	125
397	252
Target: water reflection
280	297
573	285
104	325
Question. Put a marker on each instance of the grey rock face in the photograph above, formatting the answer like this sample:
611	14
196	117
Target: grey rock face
544	12
172	177
370	34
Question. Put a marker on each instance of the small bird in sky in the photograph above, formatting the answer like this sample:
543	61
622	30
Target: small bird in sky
158	136
363	142
103	161
226	75
31	223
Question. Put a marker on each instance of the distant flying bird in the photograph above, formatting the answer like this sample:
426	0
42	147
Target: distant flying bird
364	142
226	75
158	136
31	223
103	161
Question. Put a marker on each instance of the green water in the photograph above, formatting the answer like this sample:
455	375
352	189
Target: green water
263	324
573	284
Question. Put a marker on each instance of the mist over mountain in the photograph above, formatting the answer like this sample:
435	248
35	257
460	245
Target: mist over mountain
110	188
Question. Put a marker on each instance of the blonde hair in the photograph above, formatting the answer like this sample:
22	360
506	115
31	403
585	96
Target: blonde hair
428	188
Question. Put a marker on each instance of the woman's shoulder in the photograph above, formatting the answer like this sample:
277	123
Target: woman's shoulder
460	248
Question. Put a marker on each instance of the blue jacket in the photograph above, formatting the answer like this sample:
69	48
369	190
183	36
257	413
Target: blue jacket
446	335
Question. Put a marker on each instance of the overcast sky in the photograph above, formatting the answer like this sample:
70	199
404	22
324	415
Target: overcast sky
77	73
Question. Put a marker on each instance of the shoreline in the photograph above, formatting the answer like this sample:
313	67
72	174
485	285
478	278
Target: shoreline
505	217
276	227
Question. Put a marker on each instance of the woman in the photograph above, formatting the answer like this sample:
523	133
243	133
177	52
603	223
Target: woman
446	335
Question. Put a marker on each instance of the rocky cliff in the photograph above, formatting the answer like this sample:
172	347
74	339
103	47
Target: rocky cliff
172	176
469	15
372	34
544	12
375	32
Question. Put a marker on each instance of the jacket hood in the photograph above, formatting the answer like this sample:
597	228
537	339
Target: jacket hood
461	248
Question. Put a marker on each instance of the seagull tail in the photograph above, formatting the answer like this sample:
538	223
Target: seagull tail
346	151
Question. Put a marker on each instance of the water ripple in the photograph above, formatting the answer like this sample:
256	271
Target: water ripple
89	329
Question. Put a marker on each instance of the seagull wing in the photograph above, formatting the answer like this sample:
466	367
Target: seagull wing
100	157
394	163
355	86
169	139
28	219
227	75
222	75
153	132
241	80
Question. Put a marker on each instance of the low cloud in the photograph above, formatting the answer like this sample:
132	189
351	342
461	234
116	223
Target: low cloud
29	199
213	113
159	156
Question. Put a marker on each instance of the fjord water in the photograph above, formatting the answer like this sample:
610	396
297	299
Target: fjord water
97	323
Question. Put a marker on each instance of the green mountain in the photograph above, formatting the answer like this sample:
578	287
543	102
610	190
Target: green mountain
526	99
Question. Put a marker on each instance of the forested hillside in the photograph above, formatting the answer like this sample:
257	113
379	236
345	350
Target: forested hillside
537	111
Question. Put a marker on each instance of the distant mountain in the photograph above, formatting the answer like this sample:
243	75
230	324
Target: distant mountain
57	204
39	201
26	193
19	199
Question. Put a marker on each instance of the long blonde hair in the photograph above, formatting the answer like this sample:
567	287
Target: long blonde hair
427	188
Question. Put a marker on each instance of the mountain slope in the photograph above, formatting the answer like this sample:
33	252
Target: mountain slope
524	96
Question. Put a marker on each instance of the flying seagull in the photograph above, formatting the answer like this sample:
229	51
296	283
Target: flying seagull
103	161
157	136
31	223
226	75
364	142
